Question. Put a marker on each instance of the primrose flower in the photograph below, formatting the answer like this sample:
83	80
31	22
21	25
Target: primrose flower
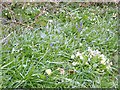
108	66
89	49
87	63
111	63
97	52
102	70
103	61
62	71
98	69
103	57
93	52
48	71
72	56
78	54
81	57
50	21
74	63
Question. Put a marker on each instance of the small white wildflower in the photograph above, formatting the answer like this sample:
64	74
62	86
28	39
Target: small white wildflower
22	7
111	63
72	56
81	57
18	13
78	54
107	62
80	44
102	70
62	71
98	69
90	56
103	61
102	56
97	52
24	65
6	14
89	49
74	63
28	3
50	21
48	71
87	63
93	52
108	66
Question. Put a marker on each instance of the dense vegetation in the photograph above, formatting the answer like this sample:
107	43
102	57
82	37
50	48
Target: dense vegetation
59	45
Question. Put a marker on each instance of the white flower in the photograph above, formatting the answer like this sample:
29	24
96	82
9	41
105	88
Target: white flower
6	14
80	44
72	56
81	57
102	70
62	71
102	56
103	61
78	54
97	52
89	49
87	63
108	66
111	63
50	21
48	71
74	63
93	53
98	69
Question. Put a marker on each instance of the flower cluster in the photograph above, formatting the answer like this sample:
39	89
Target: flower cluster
78	54
91	58
103	59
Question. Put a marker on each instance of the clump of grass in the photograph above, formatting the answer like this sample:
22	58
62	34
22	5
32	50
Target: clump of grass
57	54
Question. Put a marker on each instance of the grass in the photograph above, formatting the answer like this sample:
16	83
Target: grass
50	45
